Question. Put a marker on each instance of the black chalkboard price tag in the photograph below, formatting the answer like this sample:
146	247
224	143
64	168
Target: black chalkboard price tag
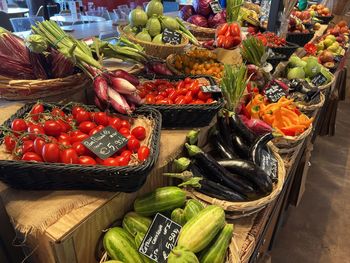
160	239
338	58
274	92
269	164
106	142
211	89
215	6
319	79
171	37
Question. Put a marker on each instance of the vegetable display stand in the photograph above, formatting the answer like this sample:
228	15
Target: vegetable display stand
188	115
329	84
229	56
36	89
242	209
201	33
50	176
156	50
300	38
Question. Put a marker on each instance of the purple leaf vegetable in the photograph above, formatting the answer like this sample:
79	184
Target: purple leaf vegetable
198	20
202	7
215	20
186	11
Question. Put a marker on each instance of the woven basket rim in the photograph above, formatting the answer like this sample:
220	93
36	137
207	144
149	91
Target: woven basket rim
200	29
290	45
313	106
301	33
329	84
250	205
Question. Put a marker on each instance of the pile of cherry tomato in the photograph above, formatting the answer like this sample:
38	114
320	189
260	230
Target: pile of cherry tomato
228	35
185	91
270	39
54	136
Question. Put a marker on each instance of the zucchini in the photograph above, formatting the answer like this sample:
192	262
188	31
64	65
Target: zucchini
138	241
120	245
134	223
178	216
182	255
161	200
216	252
192	208
202	228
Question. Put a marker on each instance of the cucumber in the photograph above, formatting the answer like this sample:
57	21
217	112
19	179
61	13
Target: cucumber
134	223
216	252
178	216
182	255
162	199
192	208
201	229
138	241
120	245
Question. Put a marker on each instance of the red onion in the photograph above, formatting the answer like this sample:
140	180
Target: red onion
259	127
125	75
202	7
118	102
100	88
122	86
198	20
186	11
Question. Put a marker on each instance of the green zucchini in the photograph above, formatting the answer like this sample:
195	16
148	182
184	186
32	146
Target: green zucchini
192	208
178	216
138	240
134	223
182	255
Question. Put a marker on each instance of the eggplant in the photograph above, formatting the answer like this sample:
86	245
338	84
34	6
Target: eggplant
239	128
240	147
224	129
251	172
260	143
223	149
213	171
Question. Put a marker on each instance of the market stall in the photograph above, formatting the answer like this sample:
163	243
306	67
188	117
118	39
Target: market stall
215	155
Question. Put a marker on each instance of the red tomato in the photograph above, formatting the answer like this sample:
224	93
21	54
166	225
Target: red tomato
28	146
228	34
235	30
115	122
150	99
86	126
35	129
38	145
64	143
133	145
36	111
64	136
125	124
228	42
57	112
162	101
18	125
31	157
195	89
236	41
168	91
51	153
79	138
173	94
188	99
143	153
82	116
182	91
101	118
87	160
222	29
124	131
181	97
74	133
52	128
10	143
122	160
65	126
180	84
203	96
126	153
69	156
80	149
110	162
159	97
75	110
220	41
139	132
198	102
96	129
210	100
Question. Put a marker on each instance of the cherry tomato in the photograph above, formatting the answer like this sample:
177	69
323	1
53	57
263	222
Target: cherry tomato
173	94
124	131
51	153
64	143
180	84
236	41
198	102
86	126
75	110
38	145
99	160
210	100
10	143
143	153
57	112
96	130
222	29
115	122
82	116
235	30
32	157
87	160
28	146
80	149
162	101
101	118
36	111
35	129
52	128
182	91
139	132
74	133
122	160
125	124
110	162
133	145
228	42
203	96
18	125
220	41
150	99
168	91
126	153
188	99
79	138
180	100
159	97
65	126
69	156
64	136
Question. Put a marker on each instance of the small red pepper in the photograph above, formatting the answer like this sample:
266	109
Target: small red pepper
310	48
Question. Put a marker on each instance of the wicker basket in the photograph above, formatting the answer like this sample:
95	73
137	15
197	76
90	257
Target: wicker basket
307	109
156	50
36	89
287	50
55	176
241	209
325	19
300	38
201	33
329	84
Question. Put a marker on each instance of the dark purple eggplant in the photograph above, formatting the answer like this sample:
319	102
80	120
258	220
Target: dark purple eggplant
224	129
240	147
260	143
222	148
238	128
215	172
251	172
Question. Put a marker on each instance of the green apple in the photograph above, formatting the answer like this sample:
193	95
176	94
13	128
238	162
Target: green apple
312	67
334	47
331	37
